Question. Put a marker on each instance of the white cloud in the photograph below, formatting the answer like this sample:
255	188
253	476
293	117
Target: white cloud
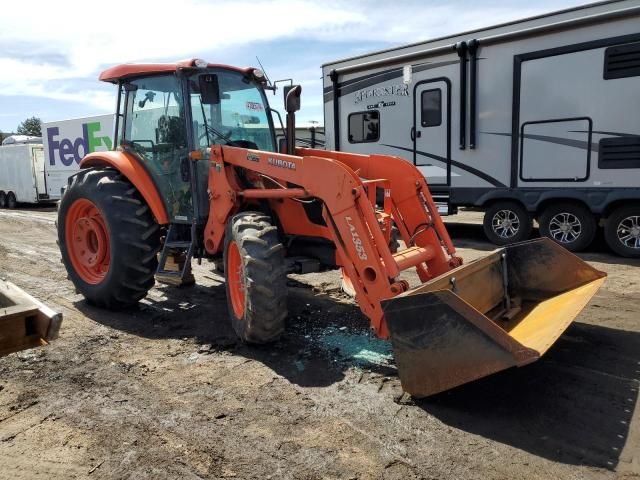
93	35
45	52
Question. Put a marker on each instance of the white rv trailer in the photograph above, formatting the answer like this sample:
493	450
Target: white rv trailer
22	174
533	119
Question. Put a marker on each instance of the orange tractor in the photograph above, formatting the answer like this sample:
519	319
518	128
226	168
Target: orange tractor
196	172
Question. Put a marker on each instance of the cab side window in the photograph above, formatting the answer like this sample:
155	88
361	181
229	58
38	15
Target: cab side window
155	131
156	123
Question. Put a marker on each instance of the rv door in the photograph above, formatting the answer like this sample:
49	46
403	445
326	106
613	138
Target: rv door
431	132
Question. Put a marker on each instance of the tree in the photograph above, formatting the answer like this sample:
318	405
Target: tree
31	126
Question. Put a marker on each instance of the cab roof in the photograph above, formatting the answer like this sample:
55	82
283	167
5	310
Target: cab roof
129	70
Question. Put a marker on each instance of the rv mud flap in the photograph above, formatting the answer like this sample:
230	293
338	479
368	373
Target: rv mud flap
498	312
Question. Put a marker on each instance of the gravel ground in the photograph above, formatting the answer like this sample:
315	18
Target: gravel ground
165	391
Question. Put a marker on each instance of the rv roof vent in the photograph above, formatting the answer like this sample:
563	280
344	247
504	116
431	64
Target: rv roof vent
619	152
622	61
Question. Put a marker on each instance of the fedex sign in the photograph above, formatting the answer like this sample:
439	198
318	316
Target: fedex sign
67	142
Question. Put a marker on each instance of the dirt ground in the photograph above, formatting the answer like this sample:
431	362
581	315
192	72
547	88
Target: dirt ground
165	391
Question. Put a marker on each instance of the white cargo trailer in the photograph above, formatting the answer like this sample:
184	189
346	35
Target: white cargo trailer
22	175
532	119
66	142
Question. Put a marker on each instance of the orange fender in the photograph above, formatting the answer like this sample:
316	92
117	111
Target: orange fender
129	166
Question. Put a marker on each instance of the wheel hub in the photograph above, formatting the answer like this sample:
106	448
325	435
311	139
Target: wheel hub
565	227
505	223
87	241
629	232
90	241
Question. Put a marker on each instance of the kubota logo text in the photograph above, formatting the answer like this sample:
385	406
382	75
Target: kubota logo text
73	150
277	162
356	239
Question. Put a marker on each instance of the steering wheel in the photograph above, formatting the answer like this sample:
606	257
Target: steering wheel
137	147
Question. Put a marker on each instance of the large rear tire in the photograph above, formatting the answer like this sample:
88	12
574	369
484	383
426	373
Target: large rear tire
108	238
3	200
256	278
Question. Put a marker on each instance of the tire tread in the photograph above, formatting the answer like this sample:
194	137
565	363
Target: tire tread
265	278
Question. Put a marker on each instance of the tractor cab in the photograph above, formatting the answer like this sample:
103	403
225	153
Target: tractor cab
169	116
165	113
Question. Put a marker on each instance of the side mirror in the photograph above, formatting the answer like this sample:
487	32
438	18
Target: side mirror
209	89
148	97
292	98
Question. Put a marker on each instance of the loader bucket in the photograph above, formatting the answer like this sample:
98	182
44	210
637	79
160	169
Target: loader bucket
24	321
501	311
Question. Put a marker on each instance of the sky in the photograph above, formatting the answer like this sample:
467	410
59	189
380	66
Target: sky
52	53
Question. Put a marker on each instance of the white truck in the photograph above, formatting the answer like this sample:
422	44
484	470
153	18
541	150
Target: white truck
66	142
22	175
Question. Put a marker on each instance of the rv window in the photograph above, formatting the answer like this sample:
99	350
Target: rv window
622	61
364	127
431	101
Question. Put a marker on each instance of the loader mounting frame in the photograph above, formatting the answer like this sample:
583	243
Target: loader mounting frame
346	184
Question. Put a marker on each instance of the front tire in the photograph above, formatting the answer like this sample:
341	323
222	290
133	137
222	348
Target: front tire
256	278
568	224
507	222
622	231
108	238
3	200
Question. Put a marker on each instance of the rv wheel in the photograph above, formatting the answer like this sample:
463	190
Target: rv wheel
507	222
622	231
569	224
3	200
11	200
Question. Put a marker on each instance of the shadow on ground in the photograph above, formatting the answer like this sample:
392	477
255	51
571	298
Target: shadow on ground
572	406
36	207
324	338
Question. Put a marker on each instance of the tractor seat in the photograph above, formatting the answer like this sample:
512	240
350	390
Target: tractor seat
171	130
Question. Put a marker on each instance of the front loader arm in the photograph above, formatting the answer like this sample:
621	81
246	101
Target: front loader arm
351	218
411	200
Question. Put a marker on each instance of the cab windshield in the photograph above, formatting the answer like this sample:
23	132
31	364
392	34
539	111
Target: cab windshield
238	116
